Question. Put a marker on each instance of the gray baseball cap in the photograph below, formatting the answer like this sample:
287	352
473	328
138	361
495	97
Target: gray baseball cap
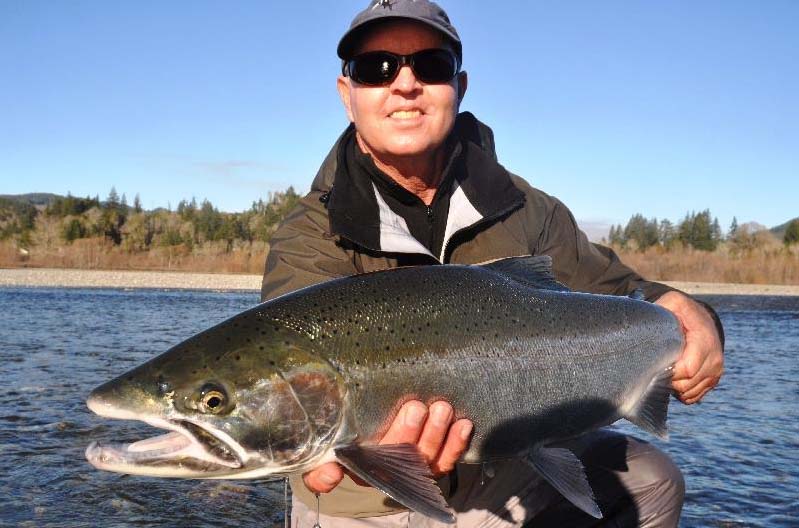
423	11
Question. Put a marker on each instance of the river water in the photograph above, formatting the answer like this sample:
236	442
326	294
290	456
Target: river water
738	449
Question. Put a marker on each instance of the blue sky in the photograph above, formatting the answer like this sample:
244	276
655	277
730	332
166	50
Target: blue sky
614	107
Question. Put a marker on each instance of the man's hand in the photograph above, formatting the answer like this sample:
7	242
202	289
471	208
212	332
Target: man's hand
701	364
439	440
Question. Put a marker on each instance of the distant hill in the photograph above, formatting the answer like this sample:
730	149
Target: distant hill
779	231
33	198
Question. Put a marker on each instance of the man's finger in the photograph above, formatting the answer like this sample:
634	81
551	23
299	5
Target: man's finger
695	393
685	385
407	426
455	445
689	364
698	398
324	478
439	418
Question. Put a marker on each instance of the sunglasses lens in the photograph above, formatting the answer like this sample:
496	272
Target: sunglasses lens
373	68
435	65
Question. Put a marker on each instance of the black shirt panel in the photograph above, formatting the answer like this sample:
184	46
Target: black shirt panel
427	224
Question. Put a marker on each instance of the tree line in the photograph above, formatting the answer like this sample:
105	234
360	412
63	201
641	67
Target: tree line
135	229
697	230
193	224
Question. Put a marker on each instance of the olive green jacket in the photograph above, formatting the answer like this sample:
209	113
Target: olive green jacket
322	239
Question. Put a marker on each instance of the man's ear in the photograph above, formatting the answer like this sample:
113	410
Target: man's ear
343	87
463	83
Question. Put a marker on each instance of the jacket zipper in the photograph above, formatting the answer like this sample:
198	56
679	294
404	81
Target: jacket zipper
480	222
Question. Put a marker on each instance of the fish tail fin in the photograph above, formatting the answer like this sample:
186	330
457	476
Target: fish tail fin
651	410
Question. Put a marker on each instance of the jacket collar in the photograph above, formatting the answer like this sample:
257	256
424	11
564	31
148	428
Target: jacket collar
482	191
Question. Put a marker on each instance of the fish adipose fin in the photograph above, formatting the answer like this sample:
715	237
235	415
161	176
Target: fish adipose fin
564	471
400	472
651	410
532	271
638	295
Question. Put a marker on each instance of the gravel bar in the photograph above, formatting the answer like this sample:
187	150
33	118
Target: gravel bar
178	280
168	280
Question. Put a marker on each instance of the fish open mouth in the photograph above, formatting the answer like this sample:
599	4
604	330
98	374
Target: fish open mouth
188	450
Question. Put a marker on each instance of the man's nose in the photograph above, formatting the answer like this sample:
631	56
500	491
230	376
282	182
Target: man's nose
406	80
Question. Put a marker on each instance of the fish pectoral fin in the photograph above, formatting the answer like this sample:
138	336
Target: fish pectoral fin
400	472
535	271
564	471
652	408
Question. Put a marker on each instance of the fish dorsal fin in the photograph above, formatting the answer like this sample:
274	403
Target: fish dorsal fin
535	271
400	472
651	410
564	471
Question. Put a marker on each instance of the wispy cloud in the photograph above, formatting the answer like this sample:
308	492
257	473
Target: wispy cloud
230	168
595	229
243	174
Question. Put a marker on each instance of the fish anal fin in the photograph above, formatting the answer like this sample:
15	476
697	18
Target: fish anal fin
564	471
651	410
400	472
535	271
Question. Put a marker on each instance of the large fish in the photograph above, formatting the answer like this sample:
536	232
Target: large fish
318	374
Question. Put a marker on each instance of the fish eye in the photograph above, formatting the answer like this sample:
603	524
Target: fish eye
213	401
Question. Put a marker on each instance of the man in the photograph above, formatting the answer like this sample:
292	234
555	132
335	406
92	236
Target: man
413	182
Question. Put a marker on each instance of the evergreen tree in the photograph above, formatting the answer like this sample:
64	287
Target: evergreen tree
666	233
791	233
733	229
72	230
616	236
112	202
716	232
642	231
137	204
698	231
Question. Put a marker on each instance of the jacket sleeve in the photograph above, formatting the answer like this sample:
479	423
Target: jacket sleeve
302	251
589	267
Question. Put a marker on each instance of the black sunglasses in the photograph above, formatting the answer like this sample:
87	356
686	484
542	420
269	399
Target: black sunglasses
379	68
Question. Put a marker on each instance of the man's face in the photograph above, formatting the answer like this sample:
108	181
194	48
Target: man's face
407	117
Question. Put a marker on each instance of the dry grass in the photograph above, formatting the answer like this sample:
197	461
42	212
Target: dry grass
773	264
96	253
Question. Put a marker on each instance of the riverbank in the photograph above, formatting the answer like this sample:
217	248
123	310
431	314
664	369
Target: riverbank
74	278
163	280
